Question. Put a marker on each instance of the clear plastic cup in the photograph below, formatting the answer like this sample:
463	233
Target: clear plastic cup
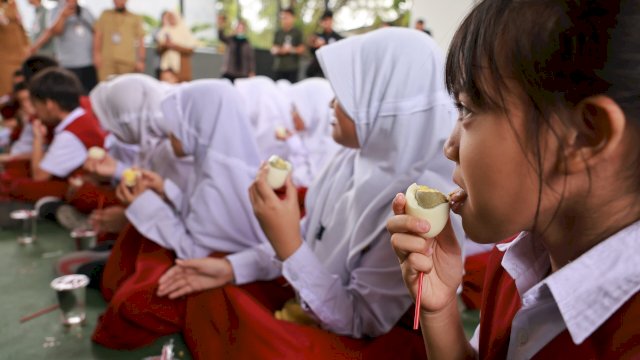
85	239
71	293
29	225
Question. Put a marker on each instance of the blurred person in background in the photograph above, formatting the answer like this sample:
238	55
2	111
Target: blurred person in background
118	43
13	42
71	28
239	57
320	39
287	47
175	46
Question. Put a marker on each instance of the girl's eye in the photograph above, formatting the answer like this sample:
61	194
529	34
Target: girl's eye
463	111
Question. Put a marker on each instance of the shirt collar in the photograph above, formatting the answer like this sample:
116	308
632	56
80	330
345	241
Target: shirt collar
588	290
76	113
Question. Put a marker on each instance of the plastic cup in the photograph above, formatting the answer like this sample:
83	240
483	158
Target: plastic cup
28	218
85	239
71	293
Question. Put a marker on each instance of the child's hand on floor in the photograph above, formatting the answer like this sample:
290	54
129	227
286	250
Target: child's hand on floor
189	276
279	218
439	258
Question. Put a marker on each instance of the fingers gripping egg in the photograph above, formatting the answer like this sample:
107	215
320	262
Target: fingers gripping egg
97	153
428	204
278	171
130	177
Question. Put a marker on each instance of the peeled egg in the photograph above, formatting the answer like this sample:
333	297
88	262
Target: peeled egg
428	204
278	171
281	132
97	153
130	177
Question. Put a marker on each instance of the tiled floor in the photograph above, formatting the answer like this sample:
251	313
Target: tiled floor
25	274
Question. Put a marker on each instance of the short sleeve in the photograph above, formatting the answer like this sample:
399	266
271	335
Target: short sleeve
66	154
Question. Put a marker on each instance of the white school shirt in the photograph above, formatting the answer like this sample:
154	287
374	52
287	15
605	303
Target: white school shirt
579	297
24	144
66	152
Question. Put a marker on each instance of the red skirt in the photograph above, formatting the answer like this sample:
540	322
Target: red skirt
238	323
135	316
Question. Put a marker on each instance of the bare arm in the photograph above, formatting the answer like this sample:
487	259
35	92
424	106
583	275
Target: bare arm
42	40
39	132
97	48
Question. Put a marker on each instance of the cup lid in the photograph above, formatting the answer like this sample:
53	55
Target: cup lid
70	282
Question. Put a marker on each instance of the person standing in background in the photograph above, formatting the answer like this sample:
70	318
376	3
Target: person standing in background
239	57
287	47
39	28
420	26
72	31
13	42
318	40
118	43
175	46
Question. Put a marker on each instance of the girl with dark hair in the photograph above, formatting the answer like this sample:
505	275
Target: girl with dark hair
545	146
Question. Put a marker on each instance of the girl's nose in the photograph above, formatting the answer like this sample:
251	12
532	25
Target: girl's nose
452	146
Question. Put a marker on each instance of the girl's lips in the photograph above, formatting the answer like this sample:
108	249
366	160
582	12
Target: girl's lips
457	199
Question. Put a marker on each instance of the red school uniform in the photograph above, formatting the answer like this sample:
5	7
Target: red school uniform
565	314
85	129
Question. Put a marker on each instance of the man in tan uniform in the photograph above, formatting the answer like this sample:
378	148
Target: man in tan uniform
118	46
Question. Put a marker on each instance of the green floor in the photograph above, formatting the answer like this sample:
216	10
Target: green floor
24	283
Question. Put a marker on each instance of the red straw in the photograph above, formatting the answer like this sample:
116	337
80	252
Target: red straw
100	202
39	313
416	315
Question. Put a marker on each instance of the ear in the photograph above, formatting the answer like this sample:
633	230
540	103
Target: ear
597	133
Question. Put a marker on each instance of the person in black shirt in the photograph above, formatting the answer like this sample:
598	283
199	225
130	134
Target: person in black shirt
287	47
320	39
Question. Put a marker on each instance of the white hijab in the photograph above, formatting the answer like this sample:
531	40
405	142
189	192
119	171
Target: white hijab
268	108
128	106
208	118
312	98
391	83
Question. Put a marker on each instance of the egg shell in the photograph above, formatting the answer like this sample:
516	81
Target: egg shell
130	177
277	177
96	153
436	216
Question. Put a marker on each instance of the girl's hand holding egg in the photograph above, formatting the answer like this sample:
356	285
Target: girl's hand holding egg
279	169
278	217
438	258
130	186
